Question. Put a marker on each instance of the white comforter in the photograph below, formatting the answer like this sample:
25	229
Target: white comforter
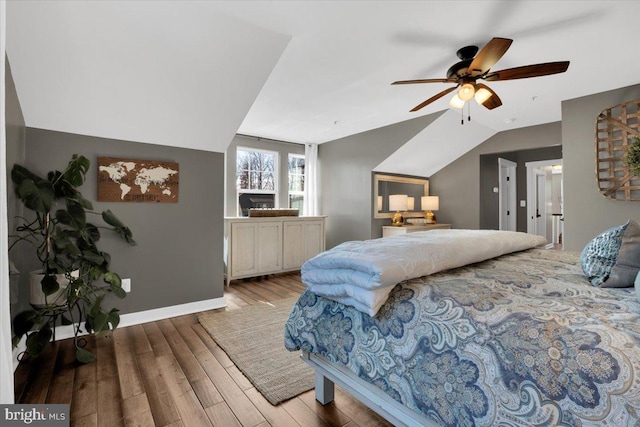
362	273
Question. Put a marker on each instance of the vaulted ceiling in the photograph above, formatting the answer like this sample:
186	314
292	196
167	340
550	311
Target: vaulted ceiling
193	73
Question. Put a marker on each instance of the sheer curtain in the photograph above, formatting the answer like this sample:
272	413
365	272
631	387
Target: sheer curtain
310	206
6	364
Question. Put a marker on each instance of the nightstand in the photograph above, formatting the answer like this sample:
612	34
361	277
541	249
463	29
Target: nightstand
390	230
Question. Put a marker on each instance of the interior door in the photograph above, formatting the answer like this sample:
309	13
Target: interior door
507	194
541	207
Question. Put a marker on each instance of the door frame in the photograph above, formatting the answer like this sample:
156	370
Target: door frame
510	223
531	190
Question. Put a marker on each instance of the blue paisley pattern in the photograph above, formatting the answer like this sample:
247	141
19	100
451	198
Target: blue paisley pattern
523	339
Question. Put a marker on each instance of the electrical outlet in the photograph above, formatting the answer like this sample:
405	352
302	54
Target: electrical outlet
126	285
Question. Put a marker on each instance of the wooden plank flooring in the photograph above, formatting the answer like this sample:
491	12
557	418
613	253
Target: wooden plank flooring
172	373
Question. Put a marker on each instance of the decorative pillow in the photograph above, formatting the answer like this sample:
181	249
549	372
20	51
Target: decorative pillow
624	273
637	285
599	256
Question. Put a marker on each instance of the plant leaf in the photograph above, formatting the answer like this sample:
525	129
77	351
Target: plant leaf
96	307
24	321
38	197
114	318
49	284
64	217
20	173
100	322
119	292
83	202
77	212
84	356
37	341
93	257
113	279
110	218
92	232
76	170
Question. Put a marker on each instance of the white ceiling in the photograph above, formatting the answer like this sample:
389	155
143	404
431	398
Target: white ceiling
433	148
192	73
334	78
167	73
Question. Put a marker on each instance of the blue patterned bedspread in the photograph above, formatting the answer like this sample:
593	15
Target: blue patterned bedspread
522	339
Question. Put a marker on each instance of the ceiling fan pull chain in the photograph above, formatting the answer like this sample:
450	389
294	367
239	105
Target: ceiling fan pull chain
468	111
462	116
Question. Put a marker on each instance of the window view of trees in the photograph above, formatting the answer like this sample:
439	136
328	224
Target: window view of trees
256	170
257	179
296	181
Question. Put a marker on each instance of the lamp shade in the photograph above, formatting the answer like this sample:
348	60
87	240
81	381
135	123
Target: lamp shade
466	91
398	202
430	203
456	102
482	95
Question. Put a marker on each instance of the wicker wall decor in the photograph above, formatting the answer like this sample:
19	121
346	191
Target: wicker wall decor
615	127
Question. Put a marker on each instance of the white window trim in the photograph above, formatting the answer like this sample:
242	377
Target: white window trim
276	172
276	177
296	193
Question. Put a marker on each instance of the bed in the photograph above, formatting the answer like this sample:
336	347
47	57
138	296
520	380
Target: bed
521	338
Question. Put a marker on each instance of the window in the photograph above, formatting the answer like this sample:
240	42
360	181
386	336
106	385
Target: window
256	179
296	181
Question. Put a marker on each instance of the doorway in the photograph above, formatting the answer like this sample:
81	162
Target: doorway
544	200
507	194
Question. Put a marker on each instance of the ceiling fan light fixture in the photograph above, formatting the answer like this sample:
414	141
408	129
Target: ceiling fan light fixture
482	95
466	91
456	102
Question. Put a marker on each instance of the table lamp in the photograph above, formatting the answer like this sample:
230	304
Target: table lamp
397	202
429	204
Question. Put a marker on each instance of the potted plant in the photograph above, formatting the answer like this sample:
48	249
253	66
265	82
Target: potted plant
632	156
75	276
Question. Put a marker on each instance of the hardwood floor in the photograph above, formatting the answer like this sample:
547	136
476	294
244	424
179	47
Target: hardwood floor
171	373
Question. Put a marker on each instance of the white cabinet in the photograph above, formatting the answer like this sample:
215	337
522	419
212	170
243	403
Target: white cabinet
302	241
269	246
258	246
390	230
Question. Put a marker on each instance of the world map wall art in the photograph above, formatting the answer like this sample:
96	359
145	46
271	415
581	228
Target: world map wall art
126	180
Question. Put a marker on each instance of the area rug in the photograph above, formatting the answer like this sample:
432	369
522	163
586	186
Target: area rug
253	338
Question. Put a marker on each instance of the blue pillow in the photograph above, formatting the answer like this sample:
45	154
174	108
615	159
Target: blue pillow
600	255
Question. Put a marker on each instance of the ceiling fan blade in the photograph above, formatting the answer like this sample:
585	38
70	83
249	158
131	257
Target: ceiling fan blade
411	82
493	101
433	98
527	71
489	55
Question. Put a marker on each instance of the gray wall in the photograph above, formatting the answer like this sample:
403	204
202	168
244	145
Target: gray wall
489	171
587	212
346	178
179	257
282	148
458	184
16	131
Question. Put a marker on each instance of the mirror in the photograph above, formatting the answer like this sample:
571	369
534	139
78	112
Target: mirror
386	185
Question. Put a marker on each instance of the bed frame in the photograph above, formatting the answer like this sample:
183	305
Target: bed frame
328	374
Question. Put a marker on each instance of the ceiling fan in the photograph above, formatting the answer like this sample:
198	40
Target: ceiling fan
471	68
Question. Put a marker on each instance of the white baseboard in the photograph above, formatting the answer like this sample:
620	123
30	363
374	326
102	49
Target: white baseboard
130	319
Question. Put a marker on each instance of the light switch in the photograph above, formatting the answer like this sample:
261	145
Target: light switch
523	203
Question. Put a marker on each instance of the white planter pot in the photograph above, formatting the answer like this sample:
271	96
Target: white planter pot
36	296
